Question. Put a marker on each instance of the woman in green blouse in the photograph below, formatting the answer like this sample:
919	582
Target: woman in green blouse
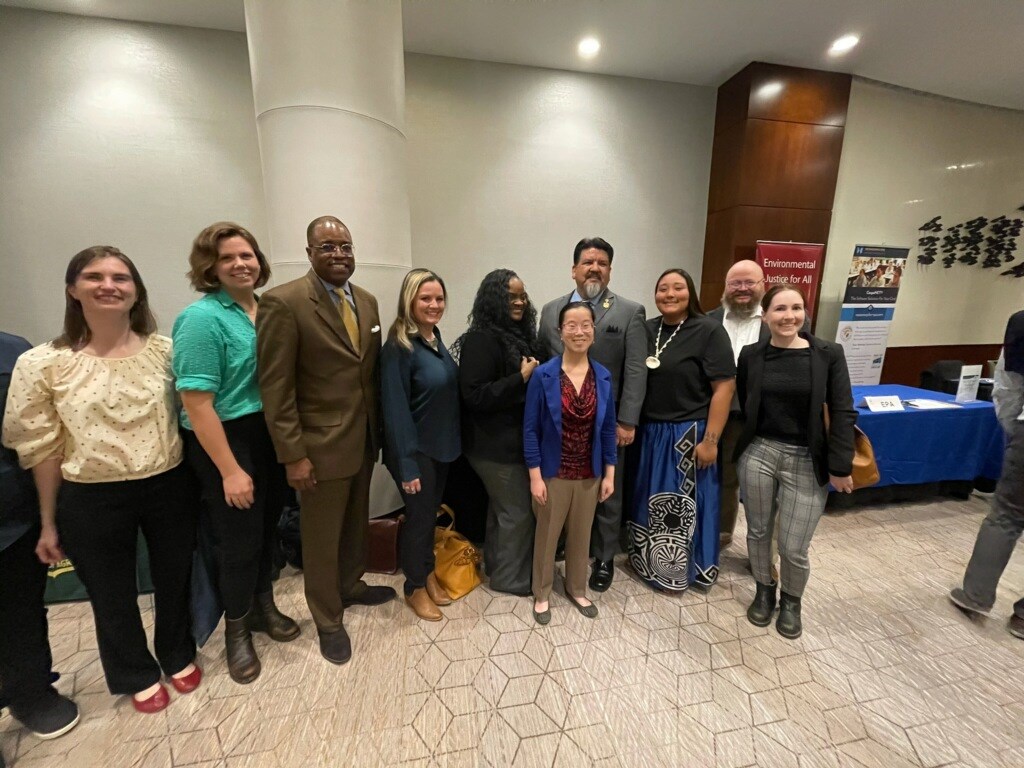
226	440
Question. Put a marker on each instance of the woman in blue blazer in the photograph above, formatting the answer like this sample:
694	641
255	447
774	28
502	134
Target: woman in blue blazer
569	446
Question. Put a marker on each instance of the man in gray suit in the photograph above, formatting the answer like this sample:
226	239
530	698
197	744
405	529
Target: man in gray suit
620	345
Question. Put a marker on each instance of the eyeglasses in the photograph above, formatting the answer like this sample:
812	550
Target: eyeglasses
523	298
347	248
572	326
743	283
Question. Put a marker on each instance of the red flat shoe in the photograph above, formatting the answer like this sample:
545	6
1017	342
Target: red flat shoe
154	703
189	682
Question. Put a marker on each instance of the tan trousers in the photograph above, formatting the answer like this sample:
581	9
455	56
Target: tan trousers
335	521
571	503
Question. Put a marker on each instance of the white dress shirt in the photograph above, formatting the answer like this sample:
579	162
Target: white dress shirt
742	330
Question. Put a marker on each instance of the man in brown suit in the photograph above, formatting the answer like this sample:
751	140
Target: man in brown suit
317	341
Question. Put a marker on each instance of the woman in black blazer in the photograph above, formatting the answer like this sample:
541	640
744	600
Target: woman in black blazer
496	357
786	457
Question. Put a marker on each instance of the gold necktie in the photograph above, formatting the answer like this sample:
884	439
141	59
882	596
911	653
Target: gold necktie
348	317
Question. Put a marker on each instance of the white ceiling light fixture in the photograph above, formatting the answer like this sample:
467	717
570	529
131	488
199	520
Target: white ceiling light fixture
843	45
588	47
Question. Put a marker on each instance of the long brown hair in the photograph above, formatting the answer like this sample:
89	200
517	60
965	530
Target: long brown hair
76	330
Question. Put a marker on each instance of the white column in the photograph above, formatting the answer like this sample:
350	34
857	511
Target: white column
328	80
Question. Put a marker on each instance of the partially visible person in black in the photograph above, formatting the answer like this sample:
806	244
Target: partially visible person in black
497	356
420	405
24	644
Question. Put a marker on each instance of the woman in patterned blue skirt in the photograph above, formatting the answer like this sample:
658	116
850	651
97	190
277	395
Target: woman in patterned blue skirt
673	528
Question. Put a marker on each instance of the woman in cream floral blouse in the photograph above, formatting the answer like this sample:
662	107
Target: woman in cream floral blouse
92	413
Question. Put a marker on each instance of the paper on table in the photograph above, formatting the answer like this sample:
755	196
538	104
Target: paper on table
929	405
883	403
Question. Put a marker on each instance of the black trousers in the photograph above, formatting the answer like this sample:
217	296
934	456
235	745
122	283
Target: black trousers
244	539
24	644
99	524
416	543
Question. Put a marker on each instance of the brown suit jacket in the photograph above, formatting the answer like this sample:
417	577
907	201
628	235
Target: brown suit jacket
319	397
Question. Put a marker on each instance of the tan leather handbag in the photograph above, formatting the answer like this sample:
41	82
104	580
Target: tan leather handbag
455	558
865	467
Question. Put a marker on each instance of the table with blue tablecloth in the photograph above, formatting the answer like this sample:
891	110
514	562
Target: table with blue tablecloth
924	452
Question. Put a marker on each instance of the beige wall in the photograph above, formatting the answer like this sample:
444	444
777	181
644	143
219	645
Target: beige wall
139	135
132	135
510	166
896	174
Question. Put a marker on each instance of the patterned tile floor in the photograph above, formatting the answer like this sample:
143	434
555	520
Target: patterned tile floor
886	674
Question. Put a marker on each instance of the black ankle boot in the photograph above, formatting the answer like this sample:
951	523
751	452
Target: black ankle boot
264	617
760	611
243	663
788	623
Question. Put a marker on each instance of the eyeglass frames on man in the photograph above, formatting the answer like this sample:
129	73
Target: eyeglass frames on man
331	248
747	284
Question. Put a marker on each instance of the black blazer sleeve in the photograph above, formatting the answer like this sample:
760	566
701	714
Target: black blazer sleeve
742	371
482	382
842	414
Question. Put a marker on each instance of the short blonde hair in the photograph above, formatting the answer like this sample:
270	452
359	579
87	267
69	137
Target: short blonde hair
404	327
203	259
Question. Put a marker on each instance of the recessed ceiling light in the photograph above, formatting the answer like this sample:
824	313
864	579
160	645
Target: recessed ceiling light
589	47
843	44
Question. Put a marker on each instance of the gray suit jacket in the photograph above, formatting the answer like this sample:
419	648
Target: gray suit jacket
620	345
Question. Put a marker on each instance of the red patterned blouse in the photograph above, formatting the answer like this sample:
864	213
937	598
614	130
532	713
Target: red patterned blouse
578	415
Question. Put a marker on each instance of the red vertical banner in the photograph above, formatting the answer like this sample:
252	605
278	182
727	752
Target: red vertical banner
796	263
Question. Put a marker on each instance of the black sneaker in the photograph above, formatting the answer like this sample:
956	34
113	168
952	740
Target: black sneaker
54	719
5	703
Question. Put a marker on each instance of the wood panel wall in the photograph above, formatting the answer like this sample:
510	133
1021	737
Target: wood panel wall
774	163
903	365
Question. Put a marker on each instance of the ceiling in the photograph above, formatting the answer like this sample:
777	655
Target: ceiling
957	48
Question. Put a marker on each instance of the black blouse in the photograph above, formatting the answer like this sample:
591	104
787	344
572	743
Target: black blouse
680	388
785	391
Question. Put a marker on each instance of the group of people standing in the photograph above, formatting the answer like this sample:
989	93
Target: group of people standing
295	388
